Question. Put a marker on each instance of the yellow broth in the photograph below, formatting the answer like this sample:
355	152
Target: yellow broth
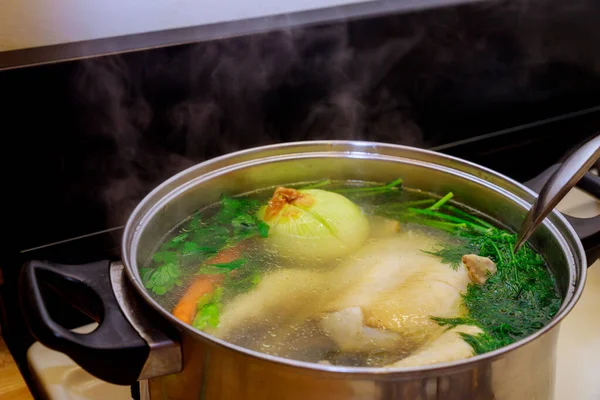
370	307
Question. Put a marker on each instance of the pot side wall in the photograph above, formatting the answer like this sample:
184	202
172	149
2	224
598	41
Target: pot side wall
214	373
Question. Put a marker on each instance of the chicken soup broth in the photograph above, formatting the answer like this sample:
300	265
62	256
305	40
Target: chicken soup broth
351	273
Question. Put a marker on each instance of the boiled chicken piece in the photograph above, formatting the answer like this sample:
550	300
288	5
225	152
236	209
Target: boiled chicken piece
382	295
279	298
449	346
347	329
399	287
479	268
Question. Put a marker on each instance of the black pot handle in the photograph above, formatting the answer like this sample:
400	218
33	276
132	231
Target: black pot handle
588	229
114	352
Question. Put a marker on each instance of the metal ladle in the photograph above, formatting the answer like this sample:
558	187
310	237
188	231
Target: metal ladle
563	180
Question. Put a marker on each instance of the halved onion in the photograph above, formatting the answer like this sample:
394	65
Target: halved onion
313	223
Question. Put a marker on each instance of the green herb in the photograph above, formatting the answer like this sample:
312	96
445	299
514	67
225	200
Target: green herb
146	273
233	207
441	202
208	316
207	240
482	343
180	238
467	216
209	310
242	282
417	218
163	278
210	305
222	268
193	248
453	254
190	247
213	297
165	256
453	322
200	239
231	265
459	222
515	302
246	226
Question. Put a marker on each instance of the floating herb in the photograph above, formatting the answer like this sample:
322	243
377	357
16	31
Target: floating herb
441	202
453	322
234	221
210	305
209	310
222	268
516	301
369	190
453	254
242	281
163	278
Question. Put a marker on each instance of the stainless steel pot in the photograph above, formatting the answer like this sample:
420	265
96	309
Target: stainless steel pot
138	339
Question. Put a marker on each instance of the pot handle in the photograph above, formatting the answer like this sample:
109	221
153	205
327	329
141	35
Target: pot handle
117	351
588	229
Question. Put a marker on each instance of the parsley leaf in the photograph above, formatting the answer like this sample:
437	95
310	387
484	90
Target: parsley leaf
232	207
246	225
146	273
209	310
207	316
202	238
231	265
190	247
165	256
163	278
242	282
222	268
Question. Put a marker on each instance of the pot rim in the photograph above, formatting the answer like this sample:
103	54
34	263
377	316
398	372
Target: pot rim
358	147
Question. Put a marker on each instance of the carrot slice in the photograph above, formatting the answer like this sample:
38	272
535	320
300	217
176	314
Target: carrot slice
185	310
227	255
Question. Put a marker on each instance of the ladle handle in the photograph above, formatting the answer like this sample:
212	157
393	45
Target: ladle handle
563	180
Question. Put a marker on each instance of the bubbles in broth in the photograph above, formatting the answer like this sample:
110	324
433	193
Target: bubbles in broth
351	273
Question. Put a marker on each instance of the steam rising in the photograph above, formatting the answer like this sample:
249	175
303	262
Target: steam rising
165	110
160	111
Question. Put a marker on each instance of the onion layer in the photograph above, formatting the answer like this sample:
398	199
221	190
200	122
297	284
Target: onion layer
313	223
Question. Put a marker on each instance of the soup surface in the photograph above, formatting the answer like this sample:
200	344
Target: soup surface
351	273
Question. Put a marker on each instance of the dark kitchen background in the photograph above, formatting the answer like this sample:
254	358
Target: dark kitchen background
512	85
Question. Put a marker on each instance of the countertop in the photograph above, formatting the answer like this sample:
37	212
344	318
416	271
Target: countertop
12	385
579	340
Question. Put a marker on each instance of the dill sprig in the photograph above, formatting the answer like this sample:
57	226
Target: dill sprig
516	301
452	322
452	254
